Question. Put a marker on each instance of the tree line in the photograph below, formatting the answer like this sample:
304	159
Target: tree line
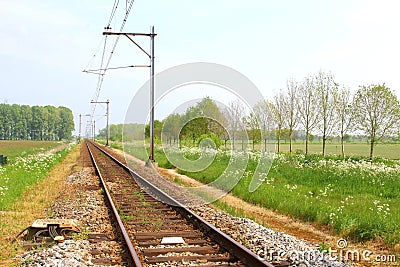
23	122
316	105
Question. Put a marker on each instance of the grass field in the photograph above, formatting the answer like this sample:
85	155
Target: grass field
356	198
35	203
25	169
21	148
382	150
389	151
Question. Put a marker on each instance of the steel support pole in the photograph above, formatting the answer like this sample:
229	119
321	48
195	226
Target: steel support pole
80	126
151	56
152	94
108	118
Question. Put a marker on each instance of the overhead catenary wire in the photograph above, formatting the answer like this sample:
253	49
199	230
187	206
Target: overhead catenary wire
91	61
113	11
97	71
101	71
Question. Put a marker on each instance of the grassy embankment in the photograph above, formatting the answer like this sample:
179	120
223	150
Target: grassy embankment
354	197
25	169
21	148
27	185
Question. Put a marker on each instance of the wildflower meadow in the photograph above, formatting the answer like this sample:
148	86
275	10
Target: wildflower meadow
23	172
353	196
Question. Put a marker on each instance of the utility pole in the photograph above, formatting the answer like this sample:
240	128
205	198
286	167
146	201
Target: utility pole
94	130
151	66
89	129
108	117
80	125
152	95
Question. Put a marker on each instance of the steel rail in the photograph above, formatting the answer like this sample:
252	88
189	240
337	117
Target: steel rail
131	249
241	252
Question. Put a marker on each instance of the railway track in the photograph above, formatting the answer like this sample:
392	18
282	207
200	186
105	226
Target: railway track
157	234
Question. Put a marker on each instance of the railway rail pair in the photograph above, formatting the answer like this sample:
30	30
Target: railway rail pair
156	233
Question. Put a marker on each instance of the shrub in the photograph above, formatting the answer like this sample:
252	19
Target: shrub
210	140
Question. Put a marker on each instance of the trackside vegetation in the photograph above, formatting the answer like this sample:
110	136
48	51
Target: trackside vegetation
13	149
355	197
337	160
24	172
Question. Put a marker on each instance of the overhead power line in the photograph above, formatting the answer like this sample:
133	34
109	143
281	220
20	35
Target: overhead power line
104	63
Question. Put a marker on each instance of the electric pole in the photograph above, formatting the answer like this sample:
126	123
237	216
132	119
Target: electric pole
151	66
94	130
108	112
80	125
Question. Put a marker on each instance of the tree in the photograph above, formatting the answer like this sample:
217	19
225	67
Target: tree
285	134
193	125
291	108
253	127
26	114
158	125
278	109
307	107
377	112
52	122
234	114
66	125
326	91
171	127
35	123
265	117
344	113
210	140
209	109
203	118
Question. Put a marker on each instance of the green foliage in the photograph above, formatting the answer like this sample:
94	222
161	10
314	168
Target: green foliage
14	149
130	132
24	172
158	125
355	197
81	235
377	111
171	128
209	140
324	247
22	122
203	118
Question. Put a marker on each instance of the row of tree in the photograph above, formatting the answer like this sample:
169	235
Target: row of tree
317	105
23	122
320	105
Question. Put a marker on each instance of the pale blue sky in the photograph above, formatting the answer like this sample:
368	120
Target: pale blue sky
45	45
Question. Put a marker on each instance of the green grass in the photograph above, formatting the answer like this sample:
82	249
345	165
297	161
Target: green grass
389	151
21	148
143	154
383	150
24	172
352	201
354	197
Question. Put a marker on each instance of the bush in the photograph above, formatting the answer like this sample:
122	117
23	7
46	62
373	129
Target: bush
210	140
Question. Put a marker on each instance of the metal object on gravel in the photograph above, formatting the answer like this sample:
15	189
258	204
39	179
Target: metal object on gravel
57	229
